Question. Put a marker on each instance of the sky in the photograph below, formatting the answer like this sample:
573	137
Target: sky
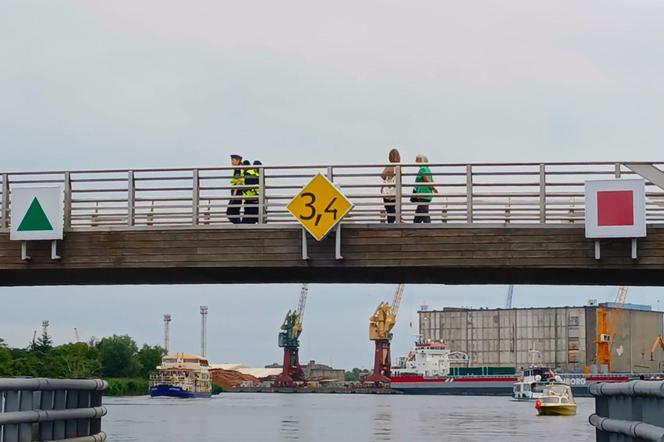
126	84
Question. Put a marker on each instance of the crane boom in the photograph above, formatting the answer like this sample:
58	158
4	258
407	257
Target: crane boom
510	296
302	303
621	296
396	301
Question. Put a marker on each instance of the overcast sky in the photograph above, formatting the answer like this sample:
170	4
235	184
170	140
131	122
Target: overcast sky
101	84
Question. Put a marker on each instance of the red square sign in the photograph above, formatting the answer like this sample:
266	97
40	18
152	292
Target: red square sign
615	208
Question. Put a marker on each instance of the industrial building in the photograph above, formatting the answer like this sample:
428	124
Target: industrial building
564	338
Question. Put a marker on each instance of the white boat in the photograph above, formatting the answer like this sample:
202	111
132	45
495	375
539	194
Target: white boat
181	375
532	383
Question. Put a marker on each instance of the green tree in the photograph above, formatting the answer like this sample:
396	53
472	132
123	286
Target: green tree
150	357
44	343
5	359
77	361
355	375
119	357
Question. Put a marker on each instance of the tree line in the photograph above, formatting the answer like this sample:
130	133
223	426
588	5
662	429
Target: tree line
117	356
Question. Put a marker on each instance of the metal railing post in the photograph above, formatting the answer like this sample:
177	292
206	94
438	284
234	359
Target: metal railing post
46	428
59	403
262	209
195	197
71	427
25	404
469	194
617	170
11	404
5	201
68	200
95	401
83	425
398	191
131	193
330	173
542	194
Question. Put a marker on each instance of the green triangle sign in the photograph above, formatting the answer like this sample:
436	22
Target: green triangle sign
35	219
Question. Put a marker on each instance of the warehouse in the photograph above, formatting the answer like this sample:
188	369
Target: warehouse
560	337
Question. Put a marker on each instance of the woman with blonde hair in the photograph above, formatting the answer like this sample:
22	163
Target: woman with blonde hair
388	190
423	192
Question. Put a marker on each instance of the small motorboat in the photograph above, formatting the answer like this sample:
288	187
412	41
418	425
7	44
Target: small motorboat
557	400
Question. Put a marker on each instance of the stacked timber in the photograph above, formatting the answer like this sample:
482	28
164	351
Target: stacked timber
231	378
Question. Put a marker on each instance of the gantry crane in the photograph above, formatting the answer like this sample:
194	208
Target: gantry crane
380	327
289	341
608	325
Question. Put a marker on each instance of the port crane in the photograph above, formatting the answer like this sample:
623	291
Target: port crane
658	343
380	327
510	296
608	326
289	336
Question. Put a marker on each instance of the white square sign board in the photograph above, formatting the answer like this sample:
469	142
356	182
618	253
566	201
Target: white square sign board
37	212
615	208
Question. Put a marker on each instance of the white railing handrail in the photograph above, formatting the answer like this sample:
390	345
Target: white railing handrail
548	193
325	165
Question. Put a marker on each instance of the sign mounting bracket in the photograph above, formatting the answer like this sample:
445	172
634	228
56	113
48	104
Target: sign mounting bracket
305	251
337	243
54	250
24	251
634	253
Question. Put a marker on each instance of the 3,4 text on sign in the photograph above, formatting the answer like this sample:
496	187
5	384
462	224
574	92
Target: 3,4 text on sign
319	206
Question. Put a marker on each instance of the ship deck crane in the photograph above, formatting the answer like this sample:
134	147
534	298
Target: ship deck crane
291	329
380	327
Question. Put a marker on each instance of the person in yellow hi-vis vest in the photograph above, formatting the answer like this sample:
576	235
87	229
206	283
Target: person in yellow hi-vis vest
251	178
237	179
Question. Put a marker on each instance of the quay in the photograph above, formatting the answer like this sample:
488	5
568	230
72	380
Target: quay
324	390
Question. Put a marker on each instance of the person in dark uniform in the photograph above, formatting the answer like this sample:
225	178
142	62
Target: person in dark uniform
251	194
237	179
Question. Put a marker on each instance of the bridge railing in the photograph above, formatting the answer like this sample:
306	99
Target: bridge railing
517	193
628	411
51	409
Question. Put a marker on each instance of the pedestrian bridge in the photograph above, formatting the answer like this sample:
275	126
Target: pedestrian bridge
490	223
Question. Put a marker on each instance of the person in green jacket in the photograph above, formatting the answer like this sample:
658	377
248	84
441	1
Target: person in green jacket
251	178
423	191
235	202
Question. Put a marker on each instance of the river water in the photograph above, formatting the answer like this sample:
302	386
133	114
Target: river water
338	418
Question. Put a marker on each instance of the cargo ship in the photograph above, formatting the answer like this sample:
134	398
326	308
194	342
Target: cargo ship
426	370
181	375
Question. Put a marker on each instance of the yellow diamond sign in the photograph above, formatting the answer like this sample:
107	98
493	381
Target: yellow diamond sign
319	206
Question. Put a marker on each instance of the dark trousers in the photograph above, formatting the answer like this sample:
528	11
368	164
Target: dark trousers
390	209
250	211
233	211
423	211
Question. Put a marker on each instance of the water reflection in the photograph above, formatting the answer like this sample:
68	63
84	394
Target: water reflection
290	428
382	422
339	418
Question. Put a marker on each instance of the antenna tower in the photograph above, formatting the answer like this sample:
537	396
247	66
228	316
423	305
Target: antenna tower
204	313
167	332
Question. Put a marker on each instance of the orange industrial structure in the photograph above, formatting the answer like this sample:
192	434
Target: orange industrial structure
608	325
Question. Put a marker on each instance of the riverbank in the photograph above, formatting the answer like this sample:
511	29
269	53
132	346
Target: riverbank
329	390
127	387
